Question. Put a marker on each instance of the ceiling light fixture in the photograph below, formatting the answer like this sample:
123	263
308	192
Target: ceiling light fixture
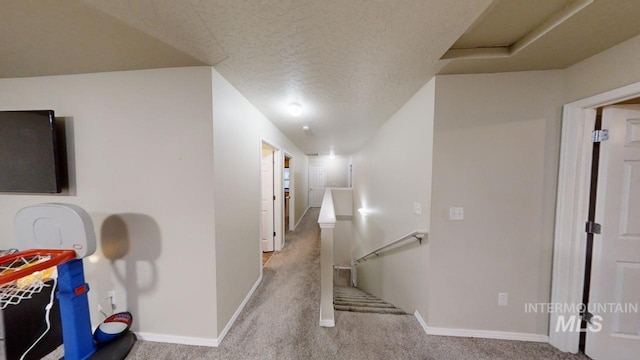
295	109
305	128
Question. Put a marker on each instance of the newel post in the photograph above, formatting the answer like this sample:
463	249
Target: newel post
327	222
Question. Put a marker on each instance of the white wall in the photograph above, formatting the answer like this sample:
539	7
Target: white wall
134	135
238	129
495	152
608	70
343	234
336	169
141	145
390	173
496	145
148	162
342	201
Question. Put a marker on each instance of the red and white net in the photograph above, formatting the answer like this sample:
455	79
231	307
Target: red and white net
13	292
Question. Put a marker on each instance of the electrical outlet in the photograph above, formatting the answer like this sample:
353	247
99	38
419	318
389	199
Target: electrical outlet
112	297
503	299
417	208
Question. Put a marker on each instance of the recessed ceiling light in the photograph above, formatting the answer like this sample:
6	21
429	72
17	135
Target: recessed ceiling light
305	128
295	109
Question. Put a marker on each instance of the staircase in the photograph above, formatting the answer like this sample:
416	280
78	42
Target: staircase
356	300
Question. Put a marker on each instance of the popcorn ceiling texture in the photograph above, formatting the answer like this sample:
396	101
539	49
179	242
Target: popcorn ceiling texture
175	22
71	37
351	64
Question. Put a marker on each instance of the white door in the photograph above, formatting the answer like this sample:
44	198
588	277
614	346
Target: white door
266	170
316	185
616	252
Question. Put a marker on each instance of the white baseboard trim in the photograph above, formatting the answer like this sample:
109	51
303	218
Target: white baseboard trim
488	334
484	334
173	339
327	323
187	340
238	311
421	321
301	217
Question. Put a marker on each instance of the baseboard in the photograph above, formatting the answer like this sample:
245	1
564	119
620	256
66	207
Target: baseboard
187	340
487	334
421	321
484	334
172	339
327	323
238	311
301	217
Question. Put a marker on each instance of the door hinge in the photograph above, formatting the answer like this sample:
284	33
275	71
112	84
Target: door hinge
599	135
592	227
274	197
587	317
274	233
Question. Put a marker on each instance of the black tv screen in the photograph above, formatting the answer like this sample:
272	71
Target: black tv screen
29	152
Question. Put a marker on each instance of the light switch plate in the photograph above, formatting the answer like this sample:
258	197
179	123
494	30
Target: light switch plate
456	213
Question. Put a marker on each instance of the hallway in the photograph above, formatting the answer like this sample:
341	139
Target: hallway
280	321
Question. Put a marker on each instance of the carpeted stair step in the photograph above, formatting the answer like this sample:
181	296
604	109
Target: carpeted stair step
390	311
364	304
350	298
366	301
356	300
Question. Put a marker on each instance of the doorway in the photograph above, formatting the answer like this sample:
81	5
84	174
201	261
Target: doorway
267	214
272	228
288	183
612	264
316	185
570	242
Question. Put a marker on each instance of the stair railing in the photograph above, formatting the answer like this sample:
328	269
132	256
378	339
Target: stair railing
418	235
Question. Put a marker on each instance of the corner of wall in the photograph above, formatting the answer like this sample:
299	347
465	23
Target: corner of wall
391	172
238	129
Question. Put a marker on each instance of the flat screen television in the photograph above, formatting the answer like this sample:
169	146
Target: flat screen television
29	152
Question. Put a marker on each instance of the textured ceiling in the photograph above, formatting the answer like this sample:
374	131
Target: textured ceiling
350	63
51	37
597	27
177	23
507	21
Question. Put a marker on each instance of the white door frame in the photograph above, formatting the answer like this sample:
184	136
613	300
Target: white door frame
278	175
292	192
267	226
574	180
